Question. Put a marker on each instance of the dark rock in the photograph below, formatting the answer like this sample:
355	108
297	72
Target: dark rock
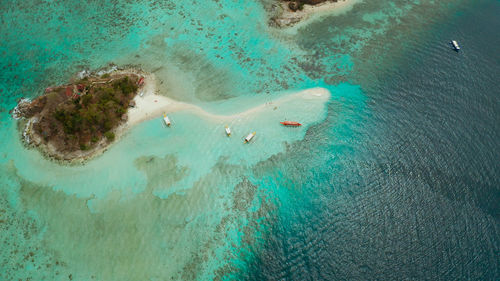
294	6
26	109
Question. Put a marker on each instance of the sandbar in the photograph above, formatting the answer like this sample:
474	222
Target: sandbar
150	105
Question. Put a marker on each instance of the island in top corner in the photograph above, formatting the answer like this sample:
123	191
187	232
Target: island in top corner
290	12
77	120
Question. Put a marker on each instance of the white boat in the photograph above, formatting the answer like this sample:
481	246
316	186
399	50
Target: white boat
455	45
250	136
228	131
167	121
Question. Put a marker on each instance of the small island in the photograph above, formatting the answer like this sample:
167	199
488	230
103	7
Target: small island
290	12
78	120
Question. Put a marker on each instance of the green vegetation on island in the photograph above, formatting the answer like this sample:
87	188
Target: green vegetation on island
80	116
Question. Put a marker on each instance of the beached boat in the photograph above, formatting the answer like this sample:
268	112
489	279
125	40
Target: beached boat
228	131
167	121
291	123
455	45
250	136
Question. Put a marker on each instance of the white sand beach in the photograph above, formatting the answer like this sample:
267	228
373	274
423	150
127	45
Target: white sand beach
150	105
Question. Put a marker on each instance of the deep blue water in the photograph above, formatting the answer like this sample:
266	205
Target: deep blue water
414	193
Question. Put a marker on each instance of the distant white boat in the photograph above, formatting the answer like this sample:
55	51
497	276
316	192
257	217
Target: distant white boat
250	136
455	45
167	121
228	131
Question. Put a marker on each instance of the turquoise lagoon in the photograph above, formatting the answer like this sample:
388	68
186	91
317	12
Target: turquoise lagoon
187	202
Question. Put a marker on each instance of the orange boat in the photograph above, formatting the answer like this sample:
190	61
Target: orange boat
141	81
291	123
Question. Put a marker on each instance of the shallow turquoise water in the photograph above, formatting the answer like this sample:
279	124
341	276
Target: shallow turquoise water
167	204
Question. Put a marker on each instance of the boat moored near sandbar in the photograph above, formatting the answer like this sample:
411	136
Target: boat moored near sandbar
291	123
250	136
228	131
167	121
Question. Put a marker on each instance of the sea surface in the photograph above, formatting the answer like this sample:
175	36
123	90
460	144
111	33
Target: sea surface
397	177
